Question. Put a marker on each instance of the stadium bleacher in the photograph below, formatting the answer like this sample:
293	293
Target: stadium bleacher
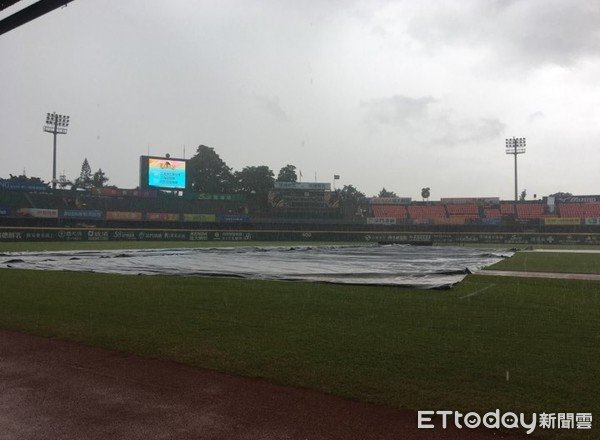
423	212
71	207
103	208
14	199
492	213
531	210
462	209
581	210
390	211
507	208
463	212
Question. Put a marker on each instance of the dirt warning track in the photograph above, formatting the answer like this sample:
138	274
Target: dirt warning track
51	389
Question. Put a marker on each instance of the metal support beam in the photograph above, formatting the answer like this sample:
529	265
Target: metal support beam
30	13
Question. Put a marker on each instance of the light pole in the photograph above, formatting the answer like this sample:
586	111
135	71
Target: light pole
55	124
515	146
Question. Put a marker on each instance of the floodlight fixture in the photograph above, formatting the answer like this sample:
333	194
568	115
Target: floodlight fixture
55	124
515	146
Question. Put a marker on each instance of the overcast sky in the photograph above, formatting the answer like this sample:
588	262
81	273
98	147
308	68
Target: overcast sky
398	94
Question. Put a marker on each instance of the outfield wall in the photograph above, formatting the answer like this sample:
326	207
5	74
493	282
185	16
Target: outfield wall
10	234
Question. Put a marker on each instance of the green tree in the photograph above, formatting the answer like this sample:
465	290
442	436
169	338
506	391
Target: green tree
208	173
24	179
99	179
523	195
425	193
350	194
350	199
63	182
287	174
256	180
385	193
85	176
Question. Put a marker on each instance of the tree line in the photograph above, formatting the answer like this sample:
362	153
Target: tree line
86	179
208	173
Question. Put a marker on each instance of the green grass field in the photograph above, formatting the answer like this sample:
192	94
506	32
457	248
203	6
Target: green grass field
552	262
406	348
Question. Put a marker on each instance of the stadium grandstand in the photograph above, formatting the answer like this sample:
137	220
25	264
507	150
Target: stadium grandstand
289	205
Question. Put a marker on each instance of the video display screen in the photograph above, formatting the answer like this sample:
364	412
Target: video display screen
166	173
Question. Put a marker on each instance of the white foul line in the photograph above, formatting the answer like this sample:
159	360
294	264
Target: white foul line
477	291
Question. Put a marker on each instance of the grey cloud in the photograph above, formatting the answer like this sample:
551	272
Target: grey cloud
555	32
536	116
398	109
421	120
272	107
525	33
470	131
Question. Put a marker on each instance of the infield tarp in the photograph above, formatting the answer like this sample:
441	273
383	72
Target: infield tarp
399	265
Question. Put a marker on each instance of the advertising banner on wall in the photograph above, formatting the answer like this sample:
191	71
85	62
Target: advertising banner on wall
123	215
88	214
381	221
162	216
450	221
390	200
491	221
469	200
118	192
202	218
234	218
308	186
22	186
458	238
573	199
37	213
562	221
215	197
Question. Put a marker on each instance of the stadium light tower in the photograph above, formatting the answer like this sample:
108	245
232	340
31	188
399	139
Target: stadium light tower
515	146
55	124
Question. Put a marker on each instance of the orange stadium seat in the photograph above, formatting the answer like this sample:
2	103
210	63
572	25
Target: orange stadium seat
530	210
581	210
427	212
507	208
390	211
492	213
463	209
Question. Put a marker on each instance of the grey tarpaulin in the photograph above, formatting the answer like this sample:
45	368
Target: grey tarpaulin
400	265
